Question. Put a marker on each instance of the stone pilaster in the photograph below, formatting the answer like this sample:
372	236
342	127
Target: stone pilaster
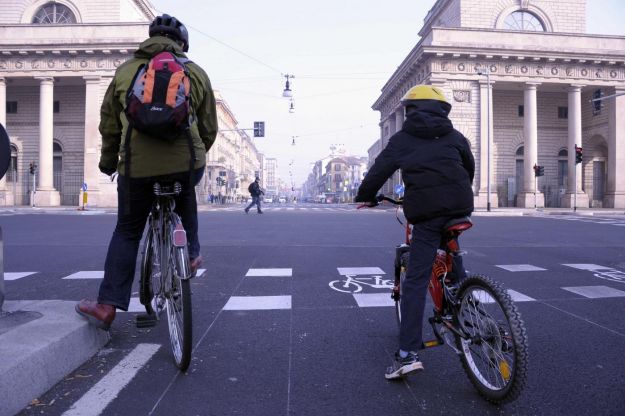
615	193
485	196
92	174
6	197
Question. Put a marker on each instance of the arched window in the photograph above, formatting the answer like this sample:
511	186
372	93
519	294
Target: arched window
57	165
563	168
522	20
54	13
12	173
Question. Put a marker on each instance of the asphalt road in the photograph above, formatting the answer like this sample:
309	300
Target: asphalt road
317	352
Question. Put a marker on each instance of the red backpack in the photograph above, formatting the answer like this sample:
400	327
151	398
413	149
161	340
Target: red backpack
158	102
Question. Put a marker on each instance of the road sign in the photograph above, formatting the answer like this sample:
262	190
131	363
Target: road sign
5	151
84	186
399	189
259	129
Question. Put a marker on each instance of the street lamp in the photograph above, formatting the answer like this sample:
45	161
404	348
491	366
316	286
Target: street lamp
287	93
486	71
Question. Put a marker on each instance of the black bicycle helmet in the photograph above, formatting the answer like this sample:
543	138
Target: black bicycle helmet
169	26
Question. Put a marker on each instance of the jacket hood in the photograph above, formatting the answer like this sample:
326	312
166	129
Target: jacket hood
428	119
156	44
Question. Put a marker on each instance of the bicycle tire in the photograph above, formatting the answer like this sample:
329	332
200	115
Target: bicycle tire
403	265
339	286
178	301
145	281
486	312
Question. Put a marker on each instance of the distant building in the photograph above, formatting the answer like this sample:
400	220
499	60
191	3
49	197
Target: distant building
530	105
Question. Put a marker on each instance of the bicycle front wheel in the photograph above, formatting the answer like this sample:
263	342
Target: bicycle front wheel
178	301
495	352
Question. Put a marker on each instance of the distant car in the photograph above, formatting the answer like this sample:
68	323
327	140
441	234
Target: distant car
267	200
282	200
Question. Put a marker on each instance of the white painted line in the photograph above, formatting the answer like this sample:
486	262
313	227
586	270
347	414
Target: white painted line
17	275
519	297
520	267
200	272
589	267
595	292
370	300
355	271
269	272
106	390
98	274
250	303
135	306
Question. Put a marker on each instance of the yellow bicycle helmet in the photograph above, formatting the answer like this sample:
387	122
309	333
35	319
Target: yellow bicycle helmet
423	92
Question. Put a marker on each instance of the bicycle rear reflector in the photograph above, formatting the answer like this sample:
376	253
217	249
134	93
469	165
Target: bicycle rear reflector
180	236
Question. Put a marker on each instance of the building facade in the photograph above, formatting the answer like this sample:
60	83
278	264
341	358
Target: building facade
520	75
57	59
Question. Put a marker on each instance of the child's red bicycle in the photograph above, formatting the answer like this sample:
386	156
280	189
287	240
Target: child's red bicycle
475	317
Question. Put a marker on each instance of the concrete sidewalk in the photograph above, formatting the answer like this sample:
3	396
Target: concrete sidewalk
40	343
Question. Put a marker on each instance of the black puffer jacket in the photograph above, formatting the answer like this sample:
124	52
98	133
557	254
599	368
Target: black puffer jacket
436	164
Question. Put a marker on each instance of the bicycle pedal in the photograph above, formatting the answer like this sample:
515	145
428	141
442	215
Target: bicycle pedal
433	343
145	320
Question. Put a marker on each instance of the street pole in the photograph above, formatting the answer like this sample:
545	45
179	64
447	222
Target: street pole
535	186
488	139
575	186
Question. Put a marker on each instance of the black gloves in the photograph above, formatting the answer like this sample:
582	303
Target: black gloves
107	170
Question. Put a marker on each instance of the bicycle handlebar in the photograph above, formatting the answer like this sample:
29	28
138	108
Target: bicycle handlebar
380	198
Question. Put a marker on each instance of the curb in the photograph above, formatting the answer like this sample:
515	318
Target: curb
39	353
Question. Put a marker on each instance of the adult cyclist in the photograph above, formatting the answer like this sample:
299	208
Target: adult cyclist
437	168
151	159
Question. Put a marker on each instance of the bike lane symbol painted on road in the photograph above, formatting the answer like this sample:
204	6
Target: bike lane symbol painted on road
353	284
606	273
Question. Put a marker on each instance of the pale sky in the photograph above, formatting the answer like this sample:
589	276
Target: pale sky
341	53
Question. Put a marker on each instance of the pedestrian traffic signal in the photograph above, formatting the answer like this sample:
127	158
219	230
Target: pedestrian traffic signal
596	101
578	154
259	129
33	168
539	170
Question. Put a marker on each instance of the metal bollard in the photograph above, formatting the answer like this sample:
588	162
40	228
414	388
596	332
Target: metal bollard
1	270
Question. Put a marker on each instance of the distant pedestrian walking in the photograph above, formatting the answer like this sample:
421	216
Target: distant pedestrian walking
255	192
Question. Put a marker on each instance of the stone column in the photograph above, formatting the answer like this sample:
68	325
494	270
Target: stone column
574	179
615	192
530	194
46	195
91	173
6	197
399	123
486	147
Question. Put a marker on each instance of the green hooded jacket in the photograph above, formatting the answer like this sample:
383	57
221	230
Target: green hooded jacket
151	156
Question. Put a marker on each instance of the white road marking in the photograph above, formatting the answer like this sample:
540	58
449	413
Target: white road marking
355	271
200	272
369	300
595	292
135	306
251	303
519	297
95	401
17	275
589	267
520	267
98	274
269	272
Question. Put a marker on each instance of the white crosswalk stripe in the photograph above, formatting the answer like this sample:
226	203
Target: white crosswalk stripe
17	275
248	303
269	272
520	267
596	292
96	274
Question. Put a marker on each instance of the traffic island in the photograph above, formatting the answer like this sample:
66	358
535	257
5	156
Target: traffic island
40	343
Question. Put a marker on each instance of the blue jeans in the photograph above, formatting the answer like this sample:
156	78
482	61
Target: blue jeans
426	239
255	201
134	199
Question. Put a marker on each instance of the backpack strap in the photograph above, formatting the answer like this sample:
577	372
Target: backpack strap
127	166
191	156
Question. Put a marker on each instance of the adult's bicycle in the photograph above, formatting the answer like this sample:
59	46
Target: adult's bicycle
165	272
476	317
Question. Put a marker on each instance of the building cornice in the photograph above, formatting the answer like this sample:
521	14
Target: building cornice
146	8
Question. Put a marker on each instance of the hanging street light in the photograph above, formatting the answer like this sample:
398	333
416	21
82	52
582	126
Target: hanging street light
292	107
287	93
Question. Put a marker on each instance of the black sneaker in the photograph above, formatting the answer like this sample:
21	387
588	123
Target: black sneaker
403	366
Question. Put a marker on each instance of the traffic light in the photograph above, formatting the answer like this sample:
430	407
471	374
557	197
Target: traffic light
539	170
578	154
596	101
33	168
259	129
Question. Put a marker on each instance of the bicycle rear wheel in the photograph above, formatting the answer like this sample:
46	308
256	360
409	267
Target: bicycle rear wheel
150	293
178	301
495	353
403	264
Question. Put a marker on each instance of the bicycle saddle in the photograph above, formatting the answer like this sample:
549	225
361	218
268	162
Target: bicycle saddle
458	224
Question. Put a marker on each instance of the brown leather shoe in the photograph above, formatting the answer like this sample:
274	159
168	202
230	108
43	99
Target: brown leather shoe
96	313
195	264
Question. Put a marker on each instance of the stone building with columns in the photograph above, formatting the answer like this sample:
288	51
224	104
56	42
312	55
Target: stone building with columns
57	59
520	75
